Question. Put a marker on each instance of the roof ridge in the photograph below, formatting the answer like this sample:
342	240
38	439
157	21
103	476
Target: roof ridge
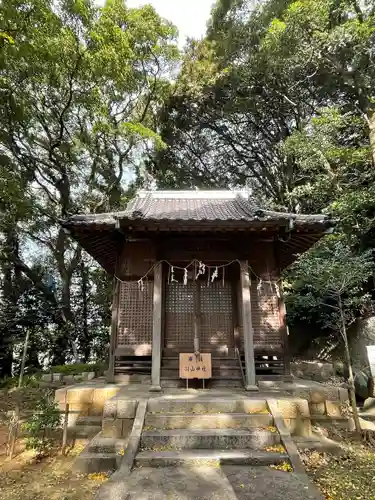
179	194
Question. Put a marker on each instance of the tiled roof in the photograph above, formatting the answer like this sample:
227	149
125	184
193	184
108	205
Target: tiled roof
194	206
101	235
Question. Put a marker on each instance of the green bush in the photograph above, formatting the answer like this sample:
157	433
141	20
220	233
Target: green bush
39	427
8	382
76	369
27	381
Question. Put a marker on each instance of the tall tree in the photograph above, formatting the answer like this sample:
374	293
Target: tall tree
79	89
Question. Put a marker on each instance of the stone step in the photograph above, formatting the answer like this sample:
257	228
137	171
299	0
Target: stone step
222	371
216	352
206	404
216	363
209	439
169	383
132	361
128	378
209	457
132	369
88	462
95	420
217	382
102	444
231	376
85	431
207	421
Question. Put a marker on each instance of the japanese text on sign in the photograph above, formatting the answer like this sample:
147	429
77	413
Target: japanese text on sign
195	366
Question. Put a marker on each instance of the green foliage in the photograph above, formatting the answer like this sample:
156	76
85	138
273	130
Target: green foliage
329	272
288	110
27	381
41	425
78	368
80	88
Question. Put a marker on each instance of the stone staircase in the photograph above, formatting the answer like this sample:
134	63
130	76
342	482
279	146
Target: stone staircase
85	426
210	432
102	454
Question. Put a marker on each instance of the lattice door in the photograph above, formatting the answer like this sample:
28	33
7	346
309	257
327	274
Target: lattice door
179	315
135	314
216	314
265	315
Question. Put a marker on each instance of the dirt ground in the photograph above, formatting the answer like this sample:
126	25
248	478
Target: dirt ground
49	479
348	476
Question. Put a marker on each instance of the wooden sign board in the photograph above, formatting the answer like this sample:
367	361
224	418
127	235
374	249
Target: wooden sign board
371	358
193	366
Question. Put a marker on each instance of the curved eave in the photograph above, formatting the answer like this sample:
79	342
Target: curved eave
103	239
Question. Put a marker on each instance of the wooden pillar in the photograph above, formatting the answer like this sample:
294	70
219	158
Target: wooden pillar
247	327
157	328
236	339
282	317
197	316
110	378
284	332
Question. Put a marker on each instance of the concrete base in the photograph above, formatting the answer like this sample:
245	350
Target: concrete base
253	388
155	388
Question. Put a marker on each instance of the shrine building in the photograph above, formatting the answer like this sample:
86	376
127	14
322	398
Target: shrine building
197	272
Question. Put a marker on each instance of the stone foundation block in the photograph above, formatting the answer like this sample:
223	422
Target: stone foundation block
46	377
83	395
112	391
294	408
111	428
80	409
317	409
369	406
333	393
127	426
90	375
102	394
333	408
116	427
68	379
343	394
60	396
317	397
110	408
57	377
301	393
298	426
126	408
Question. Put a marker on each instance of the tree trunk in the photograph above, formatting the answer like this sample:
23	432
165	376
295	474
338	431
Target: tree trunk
371	120
85	330
351	389
10	296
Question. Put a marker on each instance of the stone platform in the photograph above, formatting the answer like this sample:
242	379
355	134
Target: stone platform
180	426
89	398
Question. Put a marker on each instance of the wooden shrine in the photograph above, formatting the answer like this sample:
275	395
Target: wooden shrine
197	272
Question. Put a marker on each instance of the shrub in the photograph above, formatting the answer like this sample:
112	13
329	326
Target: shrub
27	381
41	425
76	369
